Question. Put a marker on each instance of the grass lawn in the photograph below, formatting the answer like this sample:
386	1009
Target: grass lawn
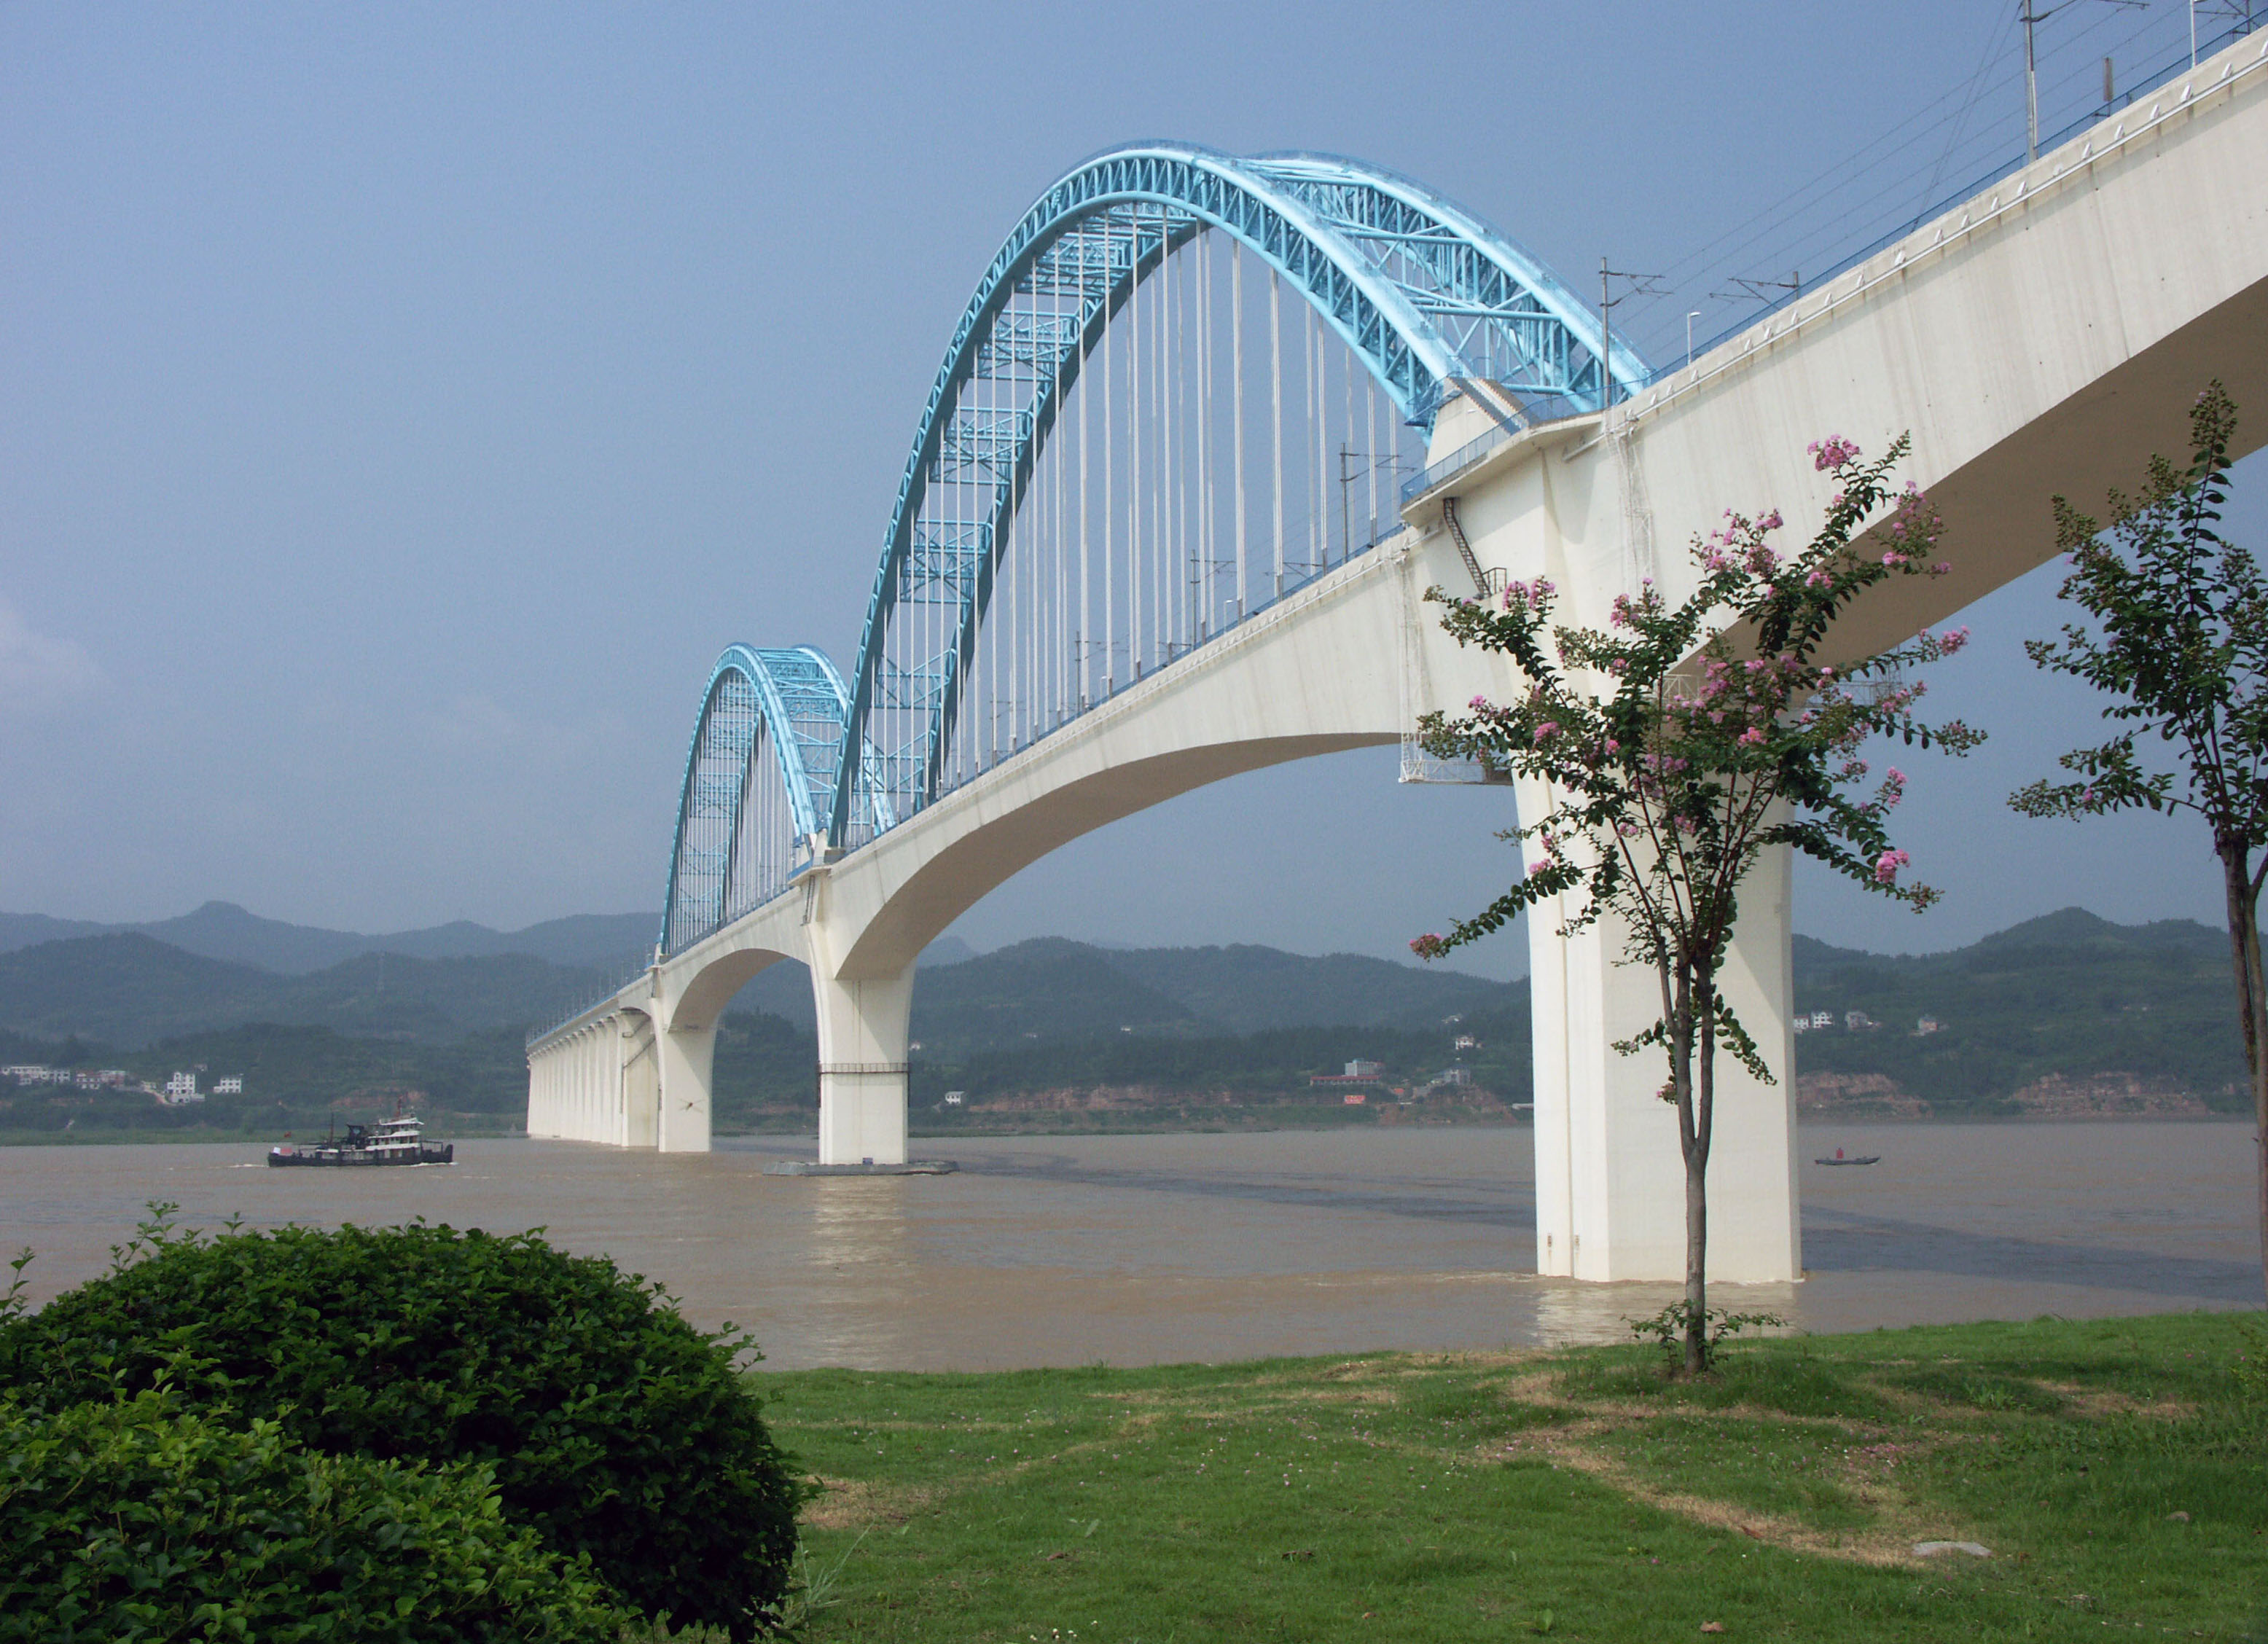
1575	1494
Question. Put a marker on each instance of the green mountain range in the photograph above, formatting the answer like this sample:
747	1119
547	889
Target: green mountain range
221	930
2069	997
127	990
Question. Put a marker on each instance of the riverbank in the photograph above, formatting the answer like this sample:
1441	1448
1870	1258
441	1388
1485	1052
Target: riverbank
2110	1467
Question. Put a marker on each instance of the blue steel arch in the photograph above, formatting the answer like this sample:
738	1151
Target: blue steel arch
1420	290
793	699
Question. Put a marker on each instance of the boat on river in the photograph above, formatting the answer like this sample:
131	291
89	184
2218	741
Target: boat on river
1871	1158
400	1140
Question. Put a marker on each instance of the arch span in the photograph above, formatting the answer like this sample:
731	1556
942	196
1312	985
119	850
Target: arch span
948	881
1420	292
703	995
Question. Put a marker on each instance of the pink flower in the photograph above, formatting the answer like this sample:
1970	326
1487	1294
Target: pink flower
1478	704
1613	747
1753	734
1428	945
1546	731
1886	866
1952	640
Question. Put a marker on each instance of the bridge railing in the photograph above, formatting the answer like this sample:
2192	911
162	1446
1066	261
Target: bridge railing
560	1015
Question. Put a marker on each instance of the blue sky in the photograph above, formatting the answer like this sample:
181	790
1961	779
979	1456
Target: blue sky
400	407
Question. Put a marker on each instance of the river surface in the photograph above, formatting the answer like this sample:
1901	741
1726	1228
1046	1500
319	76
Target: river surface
1132	1250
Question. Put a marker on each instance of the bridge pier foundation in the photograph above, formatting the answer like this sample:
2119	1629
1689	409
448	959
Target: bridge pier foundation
862	1067
685	1059
1610	1178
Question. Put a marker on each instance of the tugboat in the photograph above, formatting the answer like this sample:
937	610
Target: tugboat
398	1140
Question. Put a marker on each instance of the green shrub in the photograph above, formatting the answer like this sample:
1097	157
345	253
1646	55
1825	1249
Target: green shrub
615	1429
137	1520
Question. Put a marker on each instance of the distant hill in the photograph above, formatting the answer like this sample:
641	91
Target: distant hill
124	989
221	930
1051	988
2067	1012
1247	989
2029	1014
1048	989
2055	937
129	990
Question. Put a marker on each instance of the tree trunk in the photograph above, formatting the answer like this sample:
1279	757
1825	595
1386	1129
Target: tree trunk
2252	999
1696	1280
1694	1134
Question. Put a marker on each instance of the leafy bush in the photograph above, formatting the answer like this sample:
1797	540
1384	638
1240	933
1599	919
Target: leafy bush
615	1428
135	1519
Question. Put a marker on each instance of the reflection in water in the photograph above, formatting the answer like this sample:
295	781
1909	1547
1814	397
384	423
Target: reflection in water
858	1246
1153	1249
1569	1314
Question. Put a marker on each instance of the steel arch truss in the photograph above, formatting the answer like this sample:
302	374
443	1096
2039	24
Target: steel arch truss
759	780
1422	293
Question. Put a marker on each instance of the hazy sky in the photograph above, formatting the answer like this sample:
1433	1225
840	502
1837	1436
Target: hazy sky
400	407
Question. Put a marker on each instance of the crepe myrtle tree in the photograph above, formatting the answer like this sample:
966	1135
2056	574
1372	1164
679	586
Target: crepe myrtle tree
1674	749
2179	643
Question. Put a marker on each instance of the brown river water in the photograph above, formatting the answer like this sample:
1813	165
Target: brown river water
1133	1250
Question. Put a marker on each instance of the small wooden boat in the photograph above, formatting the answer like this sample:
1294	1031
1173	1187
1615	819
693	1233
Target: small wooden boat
1871	1158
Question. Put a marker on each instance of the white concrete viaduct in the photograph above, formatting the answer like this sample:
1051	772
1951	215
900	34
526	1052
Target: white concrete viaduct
2040	339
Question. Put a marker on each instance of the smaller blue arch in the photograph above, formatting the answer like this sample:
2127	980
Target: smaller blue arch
800	707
